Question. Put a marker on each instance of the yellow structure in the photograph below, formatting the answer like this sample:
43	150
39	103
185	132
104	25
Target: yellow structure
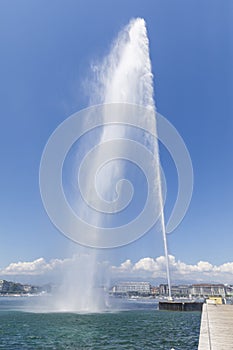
214	300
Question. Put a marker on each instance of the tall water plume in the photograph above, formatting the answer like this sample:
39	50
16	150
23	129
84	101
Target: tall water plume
124	76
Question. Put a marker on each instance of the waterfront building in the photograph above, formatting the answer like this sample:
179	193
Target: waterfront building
205	289
143	288
229	291
154	290
181	290
163	289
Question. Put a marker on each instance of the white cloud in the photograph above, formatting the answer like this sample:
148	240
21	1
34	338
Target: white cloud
144	268
155	268
126	266
36	267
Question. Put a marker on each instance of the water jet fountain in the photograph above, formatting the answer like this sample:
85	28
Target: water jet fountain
124	78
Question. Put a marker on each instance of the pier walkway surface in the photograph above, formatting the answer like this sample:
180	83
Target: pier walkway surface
216	331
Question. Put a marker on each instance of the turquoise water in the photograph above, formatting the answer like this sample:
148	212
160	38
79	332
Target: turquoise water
139	327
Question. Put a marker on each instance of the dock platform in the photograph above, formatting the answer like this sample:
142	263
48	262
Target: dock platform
180	306
216	331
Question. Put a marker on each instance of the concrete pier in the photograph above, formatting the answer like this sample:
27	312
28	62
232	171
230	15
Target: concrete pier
216	331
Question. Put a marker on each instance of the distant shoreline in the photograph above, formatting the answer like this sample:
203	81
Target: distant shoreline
22	295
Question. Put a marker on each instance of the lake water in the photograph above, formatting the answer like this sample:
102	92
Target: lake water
138	325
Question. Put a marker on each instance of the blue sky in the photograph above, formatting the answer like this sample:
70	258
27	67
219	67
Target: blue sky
46	51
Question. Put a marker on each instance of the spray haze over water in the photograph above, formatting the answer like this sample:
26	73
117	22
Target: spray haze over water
124	76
